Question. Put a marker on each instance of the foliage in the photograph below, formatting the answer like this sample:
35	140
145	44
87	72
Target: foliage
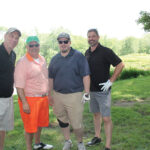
130	45
79	43
113	43
132	73
145	20
49	44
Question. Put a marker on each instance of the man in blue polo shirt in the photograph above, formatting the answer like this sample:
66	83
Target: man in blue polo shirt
7	64
69	76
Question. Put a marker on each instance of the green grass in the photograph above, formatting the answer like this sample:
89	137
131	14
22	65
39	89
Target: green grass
130	115
131	122
132	89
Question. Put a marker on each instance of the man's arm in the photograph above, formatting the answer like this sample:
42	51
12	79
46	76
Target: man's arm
86	95
86	82
22	97
50	91
117	71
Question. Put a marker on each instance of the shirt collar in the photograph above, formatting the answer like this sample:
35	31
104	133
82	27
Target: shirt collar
29	57
99	45
71	52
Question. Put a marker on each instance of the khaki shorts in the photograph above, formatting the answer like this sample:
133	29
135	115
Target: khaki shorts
68	108
6	114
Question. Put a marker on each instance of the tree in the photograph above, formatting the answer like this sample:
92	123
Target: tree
145	20
130	45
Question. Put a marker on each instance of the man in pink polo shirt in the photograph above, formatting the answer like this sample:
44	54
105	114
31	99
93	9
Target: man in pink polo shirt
31	81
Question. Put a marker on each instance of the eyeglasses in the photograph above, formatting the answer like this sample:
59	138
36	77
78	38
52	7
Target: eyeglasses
34	45
61	42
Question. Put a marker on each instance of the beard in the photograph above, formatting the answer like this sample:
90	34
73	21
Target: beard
64	51
93	43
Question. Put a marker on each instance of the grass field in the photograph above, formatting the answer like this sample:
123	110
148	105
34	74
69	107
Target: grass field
130	115
138	61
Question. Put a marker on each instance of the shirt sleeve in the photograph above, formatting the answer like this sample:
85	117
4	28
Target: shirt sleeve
20	75
50	70
112	58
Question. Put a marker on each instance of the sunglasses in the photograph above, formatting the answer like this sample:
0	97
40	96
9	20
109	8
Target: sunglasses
61	42
34	45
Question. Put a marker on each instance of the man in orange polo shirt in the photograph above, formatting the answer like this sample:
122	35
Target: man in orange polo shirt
31	81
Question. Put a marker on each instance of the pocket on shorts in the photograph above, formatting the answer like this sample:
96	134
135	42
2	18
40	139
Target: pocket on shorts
4	108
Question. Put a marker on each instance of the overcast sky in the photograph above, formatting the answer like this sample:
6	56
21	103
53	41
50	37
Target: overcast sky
114	18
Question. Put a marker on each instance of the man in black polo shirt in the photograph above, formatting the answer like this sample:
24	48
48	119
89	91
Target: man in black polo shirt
7	64
100	58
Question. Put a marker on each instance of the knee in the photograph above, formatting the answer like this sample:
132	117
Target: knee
62	124
97	115
107	120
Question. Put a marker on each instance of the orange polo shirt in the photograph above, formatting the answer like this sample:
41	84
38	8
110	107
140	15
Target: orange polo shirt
31	76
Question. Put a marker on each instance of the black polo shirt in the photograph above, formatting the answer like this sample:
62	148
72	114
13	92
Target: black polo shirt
7	64
99	61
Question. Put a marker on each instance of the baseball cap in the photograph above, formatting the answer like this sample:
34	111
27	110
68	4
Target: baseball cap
10	30
31	39
63	35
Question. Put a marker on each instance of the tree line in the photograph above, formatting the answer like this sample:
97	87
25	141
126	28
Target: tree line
49	45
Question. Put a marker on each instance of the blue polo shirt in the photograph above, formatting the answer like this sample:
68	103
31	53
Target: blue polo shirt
68	72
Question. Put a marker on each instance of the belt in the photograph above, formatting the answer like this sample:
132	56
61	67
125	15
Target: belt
42	95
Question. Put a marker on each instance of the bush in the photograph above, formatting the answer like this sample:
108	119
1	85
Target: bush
132	73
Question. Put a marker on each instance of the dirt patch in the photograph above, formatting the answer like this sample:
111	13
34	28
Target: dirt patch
125	103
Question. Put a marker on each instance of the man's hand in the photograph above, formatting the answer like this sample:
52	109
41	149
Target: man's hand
85	98
106	85
26	107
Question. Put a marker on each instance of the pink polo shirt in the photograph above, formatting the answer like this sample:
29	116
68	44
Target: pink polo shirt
31	76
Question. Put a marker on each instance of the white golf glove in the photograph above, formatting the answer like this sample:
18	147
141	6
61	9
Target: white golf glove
106	85
85	98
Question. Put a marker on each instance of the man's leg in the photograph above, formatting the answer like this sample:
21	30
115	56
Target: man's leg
79	134
38	144
108	130
37	135
66	133
97	124
97	119
29	137
68	142
2	138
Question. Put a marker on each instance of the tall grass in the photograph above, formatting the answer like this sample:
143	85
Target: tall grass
132	73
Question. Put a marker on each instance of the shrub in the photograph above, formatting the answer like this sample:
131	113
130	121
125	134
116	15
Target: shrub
132	73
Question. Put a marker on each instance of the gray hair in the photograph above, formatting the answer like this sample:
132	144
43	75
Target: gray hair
93	30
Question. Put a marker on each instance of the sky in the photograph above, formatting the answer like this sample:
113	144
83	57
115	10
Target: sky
113	18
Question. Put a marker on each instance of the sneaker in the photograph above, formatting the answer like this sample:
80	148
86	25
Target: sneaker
42	146
67	145
107	148
81	146
94	141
